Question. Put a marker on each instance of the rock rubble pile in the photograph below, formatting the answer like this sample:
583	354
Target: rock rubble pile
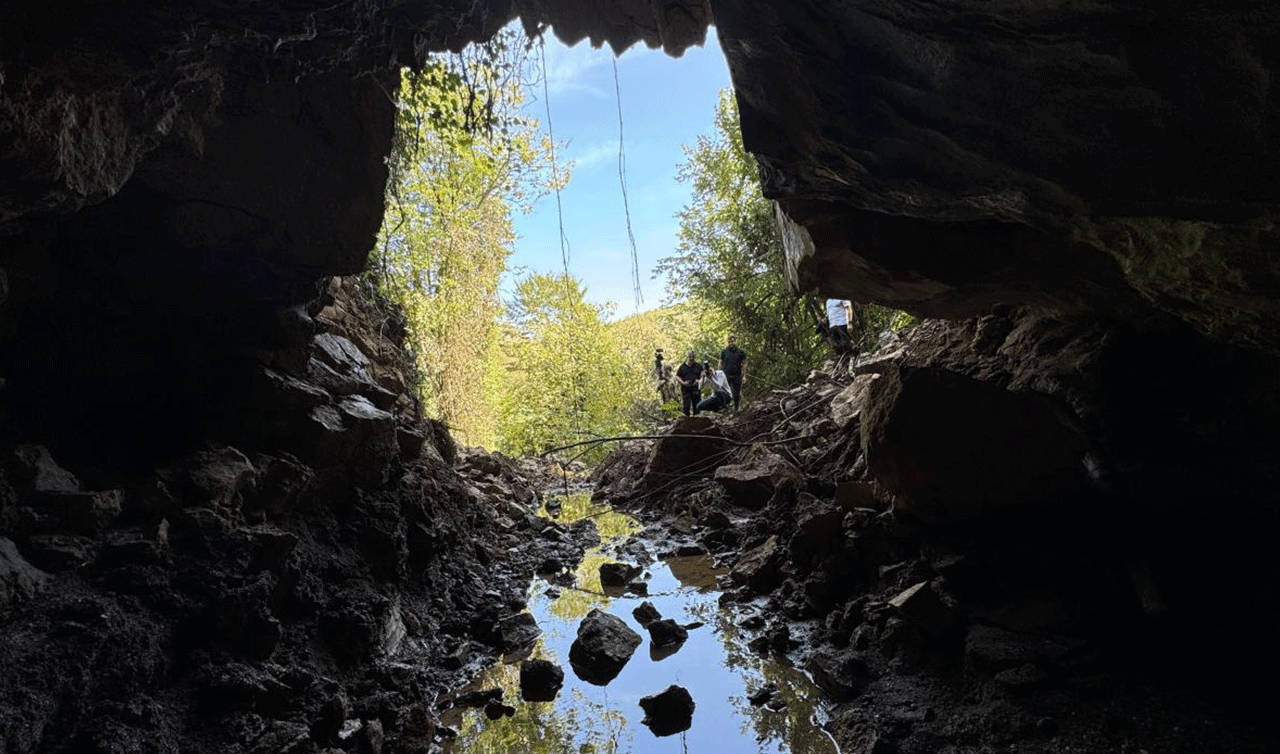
312	587
955	537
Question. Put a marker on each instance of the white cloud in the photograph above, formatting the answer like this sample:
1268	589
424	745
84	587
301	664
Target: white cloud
568	67
594	155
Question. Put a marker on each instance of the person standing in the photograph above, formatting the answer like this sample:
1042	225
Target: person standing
839	314
687	375
733	362
667	384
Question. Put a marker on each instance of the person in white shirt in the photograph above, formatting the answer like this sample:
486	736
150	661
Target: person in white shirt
721	396
839	314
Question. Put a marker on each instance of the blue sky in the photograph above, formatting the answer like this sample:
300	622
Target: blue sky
666	102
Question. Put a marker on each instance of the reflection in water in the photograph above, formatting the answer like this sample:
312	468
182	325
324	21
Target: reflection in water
714	665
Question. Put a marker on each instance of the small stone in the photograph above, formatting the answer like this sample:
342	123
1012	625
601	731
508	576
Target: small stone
762	695
479	698
519	631
540	680
646	613
618	574
1023	678
495	710
669	712
666	633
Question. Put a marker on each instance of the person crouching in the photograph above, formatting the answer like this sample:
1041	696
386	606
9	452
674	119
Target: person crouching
720	397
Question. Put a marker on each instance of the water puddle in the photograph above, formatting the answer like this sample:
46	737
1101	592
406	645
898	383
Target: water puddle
714	665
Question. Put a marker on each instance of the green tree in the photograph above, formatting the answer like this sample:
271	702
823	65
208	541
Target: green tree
730	259
467	159
565	380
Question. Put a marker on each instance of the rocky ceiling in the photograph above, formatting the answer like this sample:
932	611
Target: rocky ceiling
940	156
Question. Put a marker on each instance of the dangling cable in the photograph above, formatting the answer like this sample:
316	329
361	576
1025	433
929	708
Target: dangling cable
578	404
555	175
622	180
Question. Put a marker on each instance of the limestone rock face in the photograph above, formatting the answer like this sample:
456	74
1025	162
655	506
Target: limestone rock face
1107	156
951	448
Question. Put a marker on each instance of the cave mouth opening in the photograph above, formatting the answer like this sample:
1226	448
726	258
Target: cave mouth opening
181	188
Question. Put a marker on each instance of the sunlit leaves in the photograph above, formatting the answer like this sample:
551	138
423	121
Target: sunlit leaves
467	158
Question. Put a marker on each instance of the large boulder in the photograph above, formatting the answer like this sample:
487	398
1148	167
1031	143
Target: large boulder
19	580
847	405
751	484
694	446
214	478
604	645
35	470
760	568
952	449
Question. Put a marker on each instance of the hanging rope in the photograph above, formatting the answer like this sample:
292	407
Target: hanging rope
622	180
578	403
555	174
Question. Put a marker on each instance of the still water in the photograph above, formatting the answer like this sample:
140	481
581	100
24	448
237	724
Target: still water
714	665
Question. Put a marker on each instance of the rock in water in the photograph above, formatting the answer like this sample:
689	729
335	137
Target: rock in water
646	613
519	631
669	712
618	574
667	633
540	680
603	647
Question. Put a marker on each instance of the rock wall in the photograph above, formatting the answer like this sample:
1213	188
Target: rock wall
1016	532
945	157
315	584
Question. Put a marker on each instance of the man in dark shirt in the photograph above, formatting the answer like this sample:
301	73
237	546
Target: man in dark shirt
733	362
687	375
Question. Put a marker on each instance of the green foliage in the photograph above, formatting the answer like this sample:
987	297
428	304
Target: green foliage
730	262
730	259
466	160
565	380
